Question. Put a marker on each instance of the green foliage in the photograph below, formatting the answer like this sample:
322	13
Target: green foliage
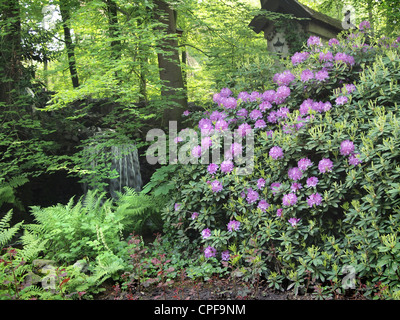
7	232
354	224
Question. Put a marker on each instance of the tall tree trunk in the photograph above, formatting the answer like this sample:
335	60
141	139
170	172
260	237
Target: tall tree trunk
169	65
10	50
113	28
65	16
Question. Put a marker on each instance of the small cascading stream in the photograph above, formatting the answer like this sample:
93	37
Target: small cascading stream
123	158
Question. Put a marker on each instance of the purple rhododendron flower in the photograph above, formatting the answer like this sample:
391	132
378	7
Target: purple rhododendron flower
177	206
304	164
225	92
299	57
314	199
244	129
260	124
229	103
196	152
295	186
225	255
295	174
341	100
205	125
269	96
227	166
284	78
221	125
260	183
254	96
343	57
233	225
306	75
289	199
294	221
194	215
279	212
216	186
210	252
275	187
354	159
346	147
242	113
263	205
333	42
314	41
264	106
255	114
325	165
206	143
236	149
216	115
252	196
364	25
212	168
312	182
306	106
281	94
322	75
276	153
186	113
325	57
349	87
206	233
244	96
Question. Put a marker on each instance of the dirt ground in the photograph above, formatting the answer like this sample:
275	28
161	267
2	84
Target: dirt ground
214	289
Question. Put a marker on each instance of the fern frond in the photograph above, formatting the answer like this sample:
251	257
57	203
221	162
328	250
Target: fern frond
7	233
4	222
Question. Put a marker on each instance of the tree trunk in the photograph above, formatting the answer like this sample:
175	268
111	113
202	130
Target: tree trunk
10	50
65	16
169	65
113	28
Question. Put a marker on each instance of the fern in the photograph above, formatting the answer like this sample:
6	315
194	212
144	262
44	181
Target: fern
7	194
7	232
139	210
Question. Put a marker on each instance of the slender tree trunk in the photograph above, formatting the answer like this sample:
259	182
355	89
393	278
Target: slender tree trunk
65	16
113	28
10	50
169	65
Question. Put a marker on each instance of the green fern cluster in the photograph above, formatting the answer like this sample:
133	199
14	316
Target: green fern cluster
7	190
141	212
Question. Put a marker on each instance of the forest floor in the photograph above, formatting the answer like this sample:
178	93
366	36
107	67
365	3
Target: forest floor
216	289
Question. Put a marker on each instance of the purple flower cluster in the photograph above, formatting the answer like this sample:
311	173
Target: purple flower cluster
276	153
347	149
299	57
314	200
210	252
284	78
341	57
216	186
289	199
294	221
252	196
295	174
325	165
233	225
314	41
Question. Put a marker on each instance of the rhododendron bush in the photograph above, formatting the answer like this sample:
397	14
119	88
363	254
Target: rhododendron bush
323	194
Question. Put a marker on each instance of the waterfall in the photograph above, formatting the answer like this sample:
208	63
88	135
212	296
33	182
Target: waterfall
125	160
104	158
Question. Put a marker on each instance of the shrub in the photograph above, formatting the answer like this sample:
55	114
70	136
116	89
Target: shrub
323	195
